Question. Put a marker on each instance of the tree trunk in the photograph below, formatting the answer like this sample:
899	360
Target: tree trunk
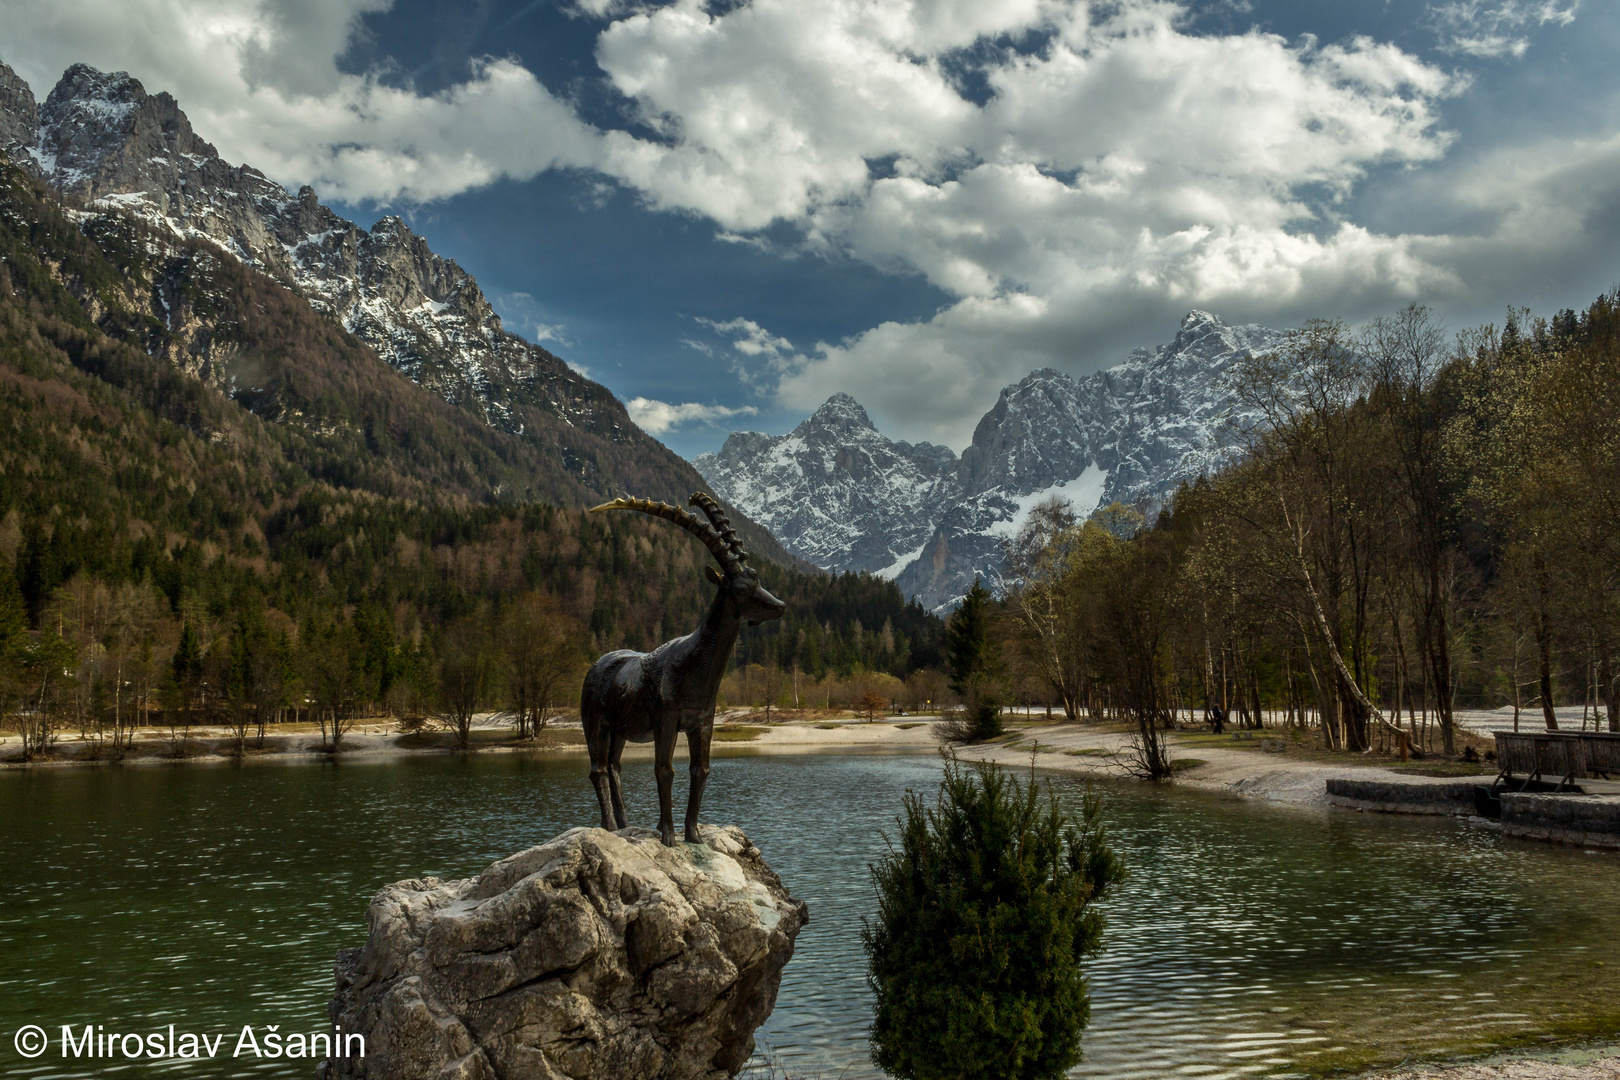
1440	667
1352	704
1544	654
1518	684
1254	687
1209	679
1611	691
1344	682
1544	644
1324	702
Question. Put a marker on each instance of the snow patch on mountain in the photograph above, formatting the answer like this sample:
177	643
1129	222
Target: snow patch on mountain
893	570
1084	493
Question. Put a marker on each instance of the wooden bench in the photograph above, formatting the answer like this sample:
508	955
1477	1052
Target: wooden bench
1602	752
1539	754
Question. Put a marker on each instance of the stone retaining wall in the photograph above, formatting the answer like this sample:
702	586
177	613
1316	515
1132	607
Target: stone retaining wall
1404	797
1589	820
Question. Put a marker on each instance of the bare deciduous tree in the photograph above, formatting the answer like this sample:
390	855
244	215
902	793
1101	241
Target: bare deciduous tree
469	673
1050	618
542	651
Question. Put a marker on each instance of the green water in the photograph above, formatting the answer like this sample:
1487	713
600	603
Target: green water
1249	941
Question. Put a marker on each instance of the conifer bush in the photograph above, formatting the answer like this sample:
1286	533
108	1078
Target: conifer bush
984	916
974	656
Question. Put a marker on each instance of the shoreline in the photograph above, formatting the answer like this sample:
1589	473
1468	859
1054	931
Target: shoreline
1233	764
380	741
1282	767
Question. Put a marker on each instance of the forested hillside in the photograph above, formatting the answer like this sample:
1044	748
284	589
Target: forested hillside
227	505
281	304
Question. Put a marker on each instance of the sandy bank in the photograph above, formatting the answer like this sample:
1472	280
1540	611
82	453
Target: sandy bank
1230	765
1601	1062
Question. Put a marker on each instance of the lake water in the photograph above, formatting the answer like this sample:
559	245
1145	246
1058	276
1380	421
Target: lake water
1249	941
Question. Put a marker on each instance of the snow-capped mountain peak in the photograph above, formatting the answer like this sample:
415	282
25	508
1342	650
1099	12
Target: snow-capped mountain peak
129	165
852	498
839	413
932	522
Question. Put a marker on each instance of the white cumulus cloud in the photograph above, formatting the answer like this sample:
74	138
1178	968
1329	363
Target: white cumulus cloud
260	79
1118	169
1073	176
657	417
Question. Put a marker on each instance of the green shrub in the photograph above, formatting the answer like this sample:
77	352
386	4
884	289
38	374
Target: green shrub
986	720
737	733
984	915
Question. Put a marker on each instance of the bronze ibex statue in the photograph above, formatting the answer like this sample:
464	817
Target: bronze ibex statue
637	697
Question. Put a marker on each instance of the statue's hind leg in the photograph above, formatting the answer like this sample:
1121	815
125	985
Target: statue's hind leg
601	775
697	748
615	781
664	773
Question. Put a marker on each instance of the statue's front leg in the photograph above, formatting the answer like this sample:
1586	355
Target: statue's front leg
697	747
664	769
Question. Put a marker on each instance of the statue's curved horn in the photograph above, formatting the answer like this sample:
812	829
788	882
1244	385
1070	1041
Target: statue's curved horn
687	520
722	524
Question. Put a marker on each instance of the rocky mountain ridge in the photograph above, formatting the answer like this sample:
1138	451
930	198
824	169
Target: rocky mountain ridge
840	494
101	139
117	153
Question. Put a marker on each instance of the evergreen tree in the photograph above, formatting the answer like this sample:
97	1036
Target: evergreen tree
13	611
984	917
974	656
187	656
187	668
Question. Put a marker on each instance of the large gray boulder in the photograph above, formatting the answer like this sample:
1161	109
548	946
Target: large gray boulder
598	954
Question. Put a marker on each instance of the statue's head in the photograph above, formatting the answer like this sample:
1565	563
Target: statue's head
754	603
738	582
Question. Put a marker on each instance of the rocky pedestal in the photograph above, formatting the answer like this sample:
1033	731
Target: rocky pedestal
597	955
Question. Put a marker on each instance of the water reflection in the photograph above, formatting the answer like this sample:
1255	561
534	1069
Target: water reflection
1248	941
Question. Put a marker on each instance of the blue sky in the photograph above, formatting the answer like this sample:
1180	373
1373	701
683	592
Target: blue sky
727	211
